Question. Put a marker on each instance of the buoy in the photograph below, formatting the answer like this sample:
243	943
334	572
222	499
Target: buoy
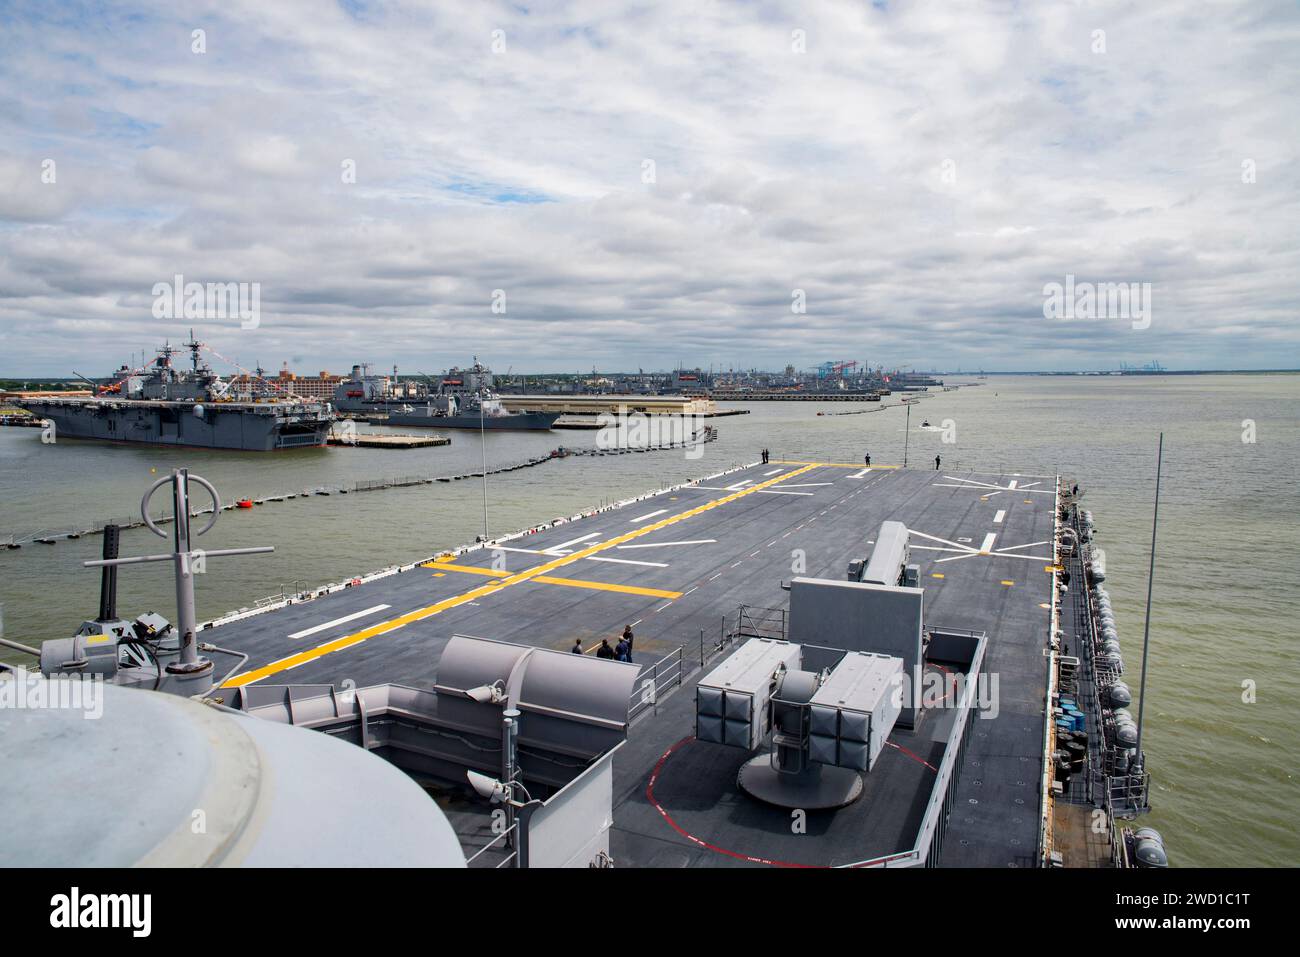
244	503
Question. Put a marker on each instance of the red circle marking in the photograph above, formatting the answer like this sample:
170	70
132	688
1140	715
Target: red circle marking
650	796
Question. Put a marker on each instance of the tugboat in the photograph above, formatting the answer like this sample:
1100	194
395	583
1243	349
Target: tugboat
161	404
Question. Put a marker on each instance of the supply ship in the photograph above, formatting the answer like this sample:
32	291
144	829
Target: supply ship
161	404
922	667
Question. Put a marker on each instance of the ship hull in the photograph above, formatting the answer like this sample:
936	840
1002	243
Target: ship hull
156	423
518	422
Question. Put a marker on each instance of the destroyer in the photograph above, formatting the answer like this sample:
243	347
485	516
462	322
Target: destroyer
460	400
161	404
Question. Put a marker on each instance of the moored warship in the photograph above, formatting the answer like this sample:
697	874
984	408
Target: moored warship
161	404
461	399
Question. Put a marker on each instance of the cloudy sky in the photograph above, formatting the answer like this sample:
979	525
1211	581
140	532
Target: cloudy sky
651	186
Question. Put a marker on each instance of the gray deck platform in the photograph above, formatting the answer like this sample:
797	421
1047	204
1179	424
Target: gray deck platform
674	565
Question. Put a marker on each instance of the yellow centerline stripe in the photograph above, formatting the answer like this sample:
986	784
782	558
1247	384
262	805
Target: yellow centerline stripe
573	582
470	569
606	586
456	601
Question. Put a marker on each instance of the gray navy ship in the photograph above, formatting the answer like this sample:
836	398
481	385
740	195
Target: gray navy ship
162	404
969	710
459	400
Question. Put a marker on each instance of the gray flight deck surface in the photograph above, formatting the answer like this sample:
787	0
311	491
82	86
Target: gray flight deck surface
674	564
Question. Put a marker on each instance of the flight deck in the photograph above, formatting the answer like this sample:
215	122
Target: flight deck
683	568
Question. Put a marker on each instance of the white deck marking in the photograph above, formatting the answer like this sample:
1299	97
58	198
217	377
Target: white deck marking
511	548
695	541
988	542
956	558
806	485
862	474
642	518
718	575
555	549
338	621
625	561
1009	548
739	485
991	489
768	491
773	472
997	519
1033	558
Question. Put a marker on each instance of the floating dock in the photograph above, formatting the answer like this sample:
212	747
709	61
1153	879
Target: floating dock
695	570
380	440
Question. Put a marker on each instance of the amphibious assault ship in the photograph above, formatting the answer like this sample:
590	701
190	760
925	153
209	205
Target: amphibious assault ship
831	666
459	400
161	404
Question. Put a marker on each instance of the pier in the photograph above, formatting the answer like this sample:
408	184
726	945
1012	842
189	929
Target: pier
595	404
379	440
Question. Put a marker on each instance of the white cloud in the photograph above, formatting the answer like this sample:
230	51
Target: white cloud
775	170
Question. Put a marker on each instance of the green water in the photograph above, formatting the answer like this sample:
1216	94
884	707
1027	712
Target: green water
1226	591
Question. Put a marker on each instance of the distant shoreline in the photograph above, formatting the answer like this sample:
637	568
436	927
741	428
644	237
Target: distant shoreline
17	379
1140	373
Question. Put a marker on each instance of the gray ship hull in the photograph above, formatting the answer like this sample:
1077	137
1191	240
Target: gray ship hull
517	422
246	427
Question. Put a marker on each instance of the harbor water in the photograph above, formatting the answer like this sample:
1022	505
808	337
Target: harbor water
1225	670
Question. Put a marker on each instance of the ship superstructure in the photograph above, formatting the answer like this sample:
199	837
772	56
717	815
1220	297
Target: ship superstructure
164	404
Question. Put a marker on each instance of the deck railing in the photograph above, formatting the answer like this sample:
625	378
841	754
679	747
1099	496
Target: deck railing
665	674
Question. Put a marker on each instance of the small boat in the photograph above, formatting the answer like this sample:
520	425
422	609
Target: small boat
244	503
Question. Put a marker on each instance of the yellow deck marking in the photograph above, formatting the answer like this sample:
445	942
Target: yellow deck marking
439	575
606	586
419	614
936	574
1005	582
469	569
574	582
